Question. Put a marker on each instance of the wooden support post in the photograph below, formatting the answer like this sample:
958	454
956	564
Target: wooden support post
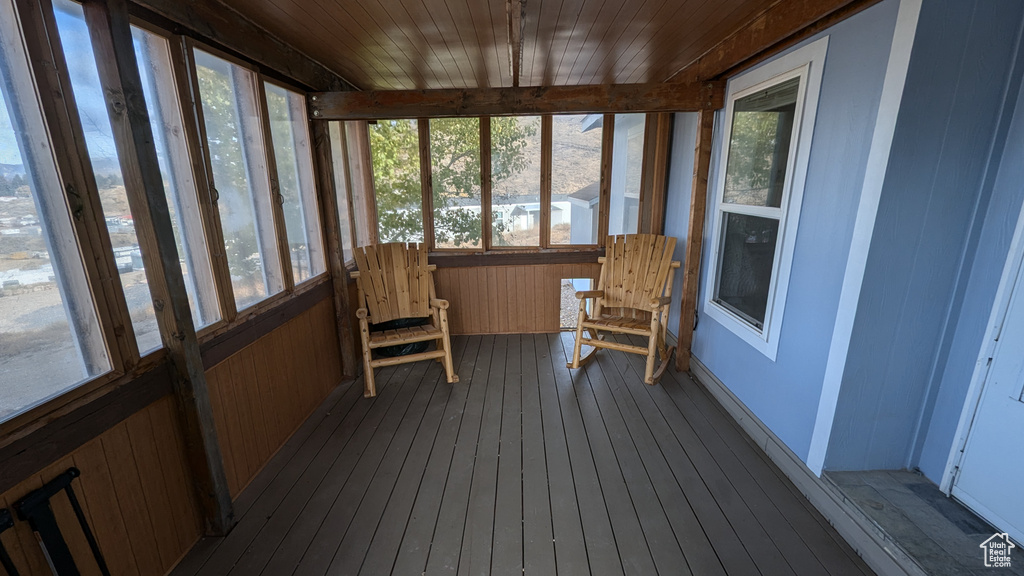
110	31
546	126
695	237
426	182
324	164
654	177
605	190
486	212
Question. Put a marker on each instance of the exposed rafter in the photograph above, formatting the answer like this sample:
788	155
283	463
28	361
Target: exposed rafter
216	22
776	29
610	98
516	10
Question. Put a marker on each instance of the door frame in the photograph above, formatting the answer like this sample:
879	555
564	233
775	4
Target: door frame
1011	271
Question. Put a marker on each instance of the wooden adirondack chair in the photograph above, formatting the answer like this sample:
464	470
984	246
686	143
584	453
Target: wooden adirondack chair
632	297
395	281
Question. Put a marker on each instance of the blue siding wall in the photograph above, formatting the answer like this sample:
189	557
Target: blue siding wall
950	111
677	203
988	248
784	394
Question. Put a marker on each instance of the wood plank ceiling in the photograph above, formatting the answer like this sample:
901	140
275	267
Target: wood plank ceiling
426	44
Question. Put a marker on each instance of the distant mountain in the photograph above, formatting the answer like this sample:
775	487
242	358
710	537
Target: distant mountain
9	170
105	166
101	166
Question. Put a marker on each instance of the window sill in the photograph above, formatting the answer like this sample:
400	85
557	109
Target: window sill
534	257
743	330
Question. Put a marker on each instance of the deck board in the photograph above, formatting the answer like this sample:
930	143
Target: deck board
527	467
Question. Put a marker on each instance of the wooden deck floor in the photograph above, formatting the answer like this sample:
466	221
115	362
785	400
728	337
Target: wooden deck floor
523	466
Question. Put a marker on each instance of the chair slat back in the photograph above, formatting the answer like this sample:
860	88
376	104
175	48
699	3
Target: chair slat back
635	269
395	279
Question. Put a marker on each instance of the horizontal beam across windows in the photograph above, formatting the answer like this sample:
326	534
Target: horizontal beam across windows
607	98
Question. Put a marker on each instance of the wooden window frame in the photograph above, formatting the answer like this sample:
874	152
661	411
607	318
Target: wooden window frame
657	136
195	237
427	184
488	206
310	187
342	172
46	87
269	204
360	165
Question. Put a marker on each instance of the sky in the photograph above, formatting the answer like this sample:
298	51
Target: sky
84	81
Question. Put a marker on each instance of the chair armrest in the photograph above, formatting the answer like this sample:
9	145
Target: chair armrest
438	303
589	294
661	301
361	313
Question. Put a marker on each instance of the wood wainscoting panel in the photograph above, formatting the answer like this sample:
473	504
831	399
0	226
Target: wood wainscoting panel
263	392
135	490
507	299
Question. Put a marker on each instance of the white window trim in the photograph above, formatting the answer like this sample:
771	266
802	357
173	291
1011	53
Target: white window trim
808	63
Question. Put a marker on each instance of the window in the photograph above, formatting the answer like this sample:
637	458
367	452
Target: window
455	182
515	181
287	115
395	150
50	339
575	178
364	209
627	165
154	56
770	118
229	95
543	190
99	139
342	187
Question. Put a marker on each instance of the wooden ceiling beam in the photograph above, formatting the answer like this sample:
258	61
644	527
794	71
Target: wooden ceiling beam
217	24
595	99
516	15
777	28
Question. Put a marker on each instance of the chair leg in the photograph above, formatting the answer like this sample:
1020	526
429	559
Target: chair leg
652	350
369	387
449	367
578	347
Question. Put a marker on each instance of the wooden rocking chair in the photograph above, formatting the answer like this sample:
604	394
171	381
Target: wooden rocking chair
395	281
632	297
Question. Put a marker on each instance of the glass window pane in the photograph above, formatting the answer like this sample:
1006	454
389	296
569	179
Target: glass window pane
745	265
361	180
99	139
762	129
395	151
294	160
153	54
627	163
575	178
455	170
341	187
50	339
515	181
238	161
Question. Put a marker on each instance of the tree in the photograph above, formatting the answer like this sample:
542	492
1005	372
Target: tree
455	168
5	187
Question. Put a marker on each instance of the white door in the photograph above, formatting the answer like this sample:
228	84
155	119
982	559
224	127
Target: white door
991	472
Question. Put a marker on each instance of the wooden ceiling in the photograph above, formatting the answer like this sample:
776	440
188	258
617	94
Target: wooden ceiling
426	44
